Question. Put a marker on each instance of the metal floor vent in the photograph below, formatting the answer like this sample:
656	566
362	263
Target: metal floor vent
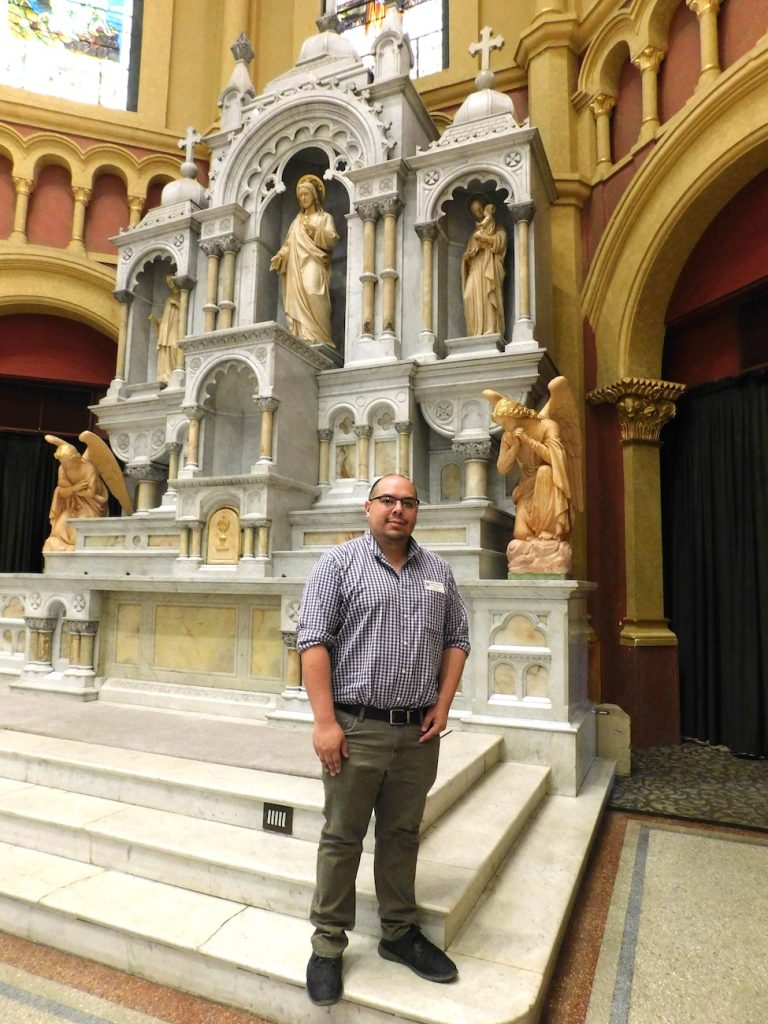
278	818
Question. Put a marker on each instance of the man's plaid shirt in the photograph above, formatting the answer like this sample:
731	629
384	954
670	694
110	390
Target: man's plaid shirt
385	631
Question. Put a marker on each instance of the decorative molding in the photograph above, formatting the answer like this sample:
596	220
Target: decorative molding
473	450
643	406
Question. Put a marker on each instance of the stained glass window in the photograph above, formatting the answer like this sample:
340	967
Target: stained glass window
425	21
85	51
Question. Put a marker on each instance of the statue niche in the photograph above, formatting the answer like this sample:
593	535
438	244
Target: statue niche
232	422
155	327
304	230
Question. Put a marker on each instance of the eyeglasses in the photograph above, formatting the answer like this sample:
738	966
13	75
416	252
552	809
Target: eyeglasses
389	501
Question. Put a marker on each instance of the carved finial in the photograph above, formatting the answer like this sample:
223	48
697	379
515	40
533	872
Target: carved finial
484	79
329	20
242	49
188	143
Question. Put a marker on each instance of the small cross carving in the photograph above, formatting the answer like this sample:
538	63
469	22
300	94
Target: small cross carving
484	47
189	142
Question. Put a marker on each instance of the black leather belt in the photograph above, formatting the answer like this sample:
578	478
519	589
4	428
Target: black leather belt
395	716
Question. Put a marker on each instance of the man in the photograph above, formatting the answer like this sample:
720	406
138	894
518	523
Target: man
383	639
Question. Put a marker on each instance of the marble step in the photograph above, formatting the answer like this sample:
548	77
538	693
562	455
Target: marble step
275	872
255	958
216	792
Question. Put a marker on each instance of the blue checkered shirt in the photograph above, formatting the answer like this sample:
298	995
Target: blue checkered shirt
385	631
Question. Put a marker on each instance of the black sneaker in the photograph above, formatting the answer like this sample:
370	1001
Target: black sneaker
324	979
423	957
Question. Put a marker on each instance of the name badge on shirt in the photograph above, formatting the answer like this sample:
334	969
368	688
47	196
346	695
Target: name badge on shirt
435	585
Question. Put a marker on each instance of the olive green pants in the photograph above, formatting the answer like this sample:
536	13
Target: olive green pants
390	773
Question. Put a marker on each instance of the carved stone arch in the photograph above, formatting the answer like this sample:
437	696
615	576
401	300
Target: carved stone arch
142	261
653	18
519	629
220	498
605	56
378	405
231	427
341	121
480	178
218	367
383	455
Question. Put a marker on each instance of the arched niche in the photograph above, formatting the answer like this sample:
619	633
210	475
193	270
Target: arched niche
276	219
457	225
149	294
232	423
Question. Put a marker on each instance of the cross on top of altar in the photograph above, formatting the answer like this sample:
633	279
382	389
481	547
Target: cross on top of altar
483	47
188	144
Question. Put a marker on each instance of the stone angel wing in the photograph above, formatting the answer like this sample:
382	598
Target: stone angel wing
562	408
100	454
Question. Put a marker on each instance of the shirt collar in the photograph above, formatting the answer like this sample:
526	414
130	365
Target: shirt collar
413	547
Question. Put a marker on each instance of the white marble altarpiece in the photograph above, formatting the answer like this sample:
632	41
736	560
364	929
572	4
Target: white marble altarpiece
258	451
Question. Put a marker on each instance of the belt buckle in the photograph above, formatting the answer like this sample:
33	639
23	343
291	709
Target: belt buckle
399	716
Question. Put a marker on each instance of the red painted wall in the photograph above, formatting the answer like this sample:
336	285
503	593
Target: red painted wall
49	219
7	197
679	70
627	115
741	231
52	348
705	350
106	213
740	26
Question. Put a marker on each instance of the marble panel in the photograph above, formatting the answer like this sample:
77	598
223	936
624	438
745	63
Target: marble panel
442	535
195	638
128	634
106	541
345	461
385	457
450	482
325	538
504	680
519	631
163	540
536	681
266	643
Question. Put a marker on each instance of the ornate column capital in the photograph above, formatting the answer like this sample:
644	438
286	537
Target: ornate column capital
174	447
403	426
289	637
184	282
211	248
193	412
427	231
649	59
123	295
643	406
367	210
145	471
266	403
602	104
471	450
83	627
23	186
229	243
700	7
390	207
522	212
136	203
40	624
362	430
81	195
325	435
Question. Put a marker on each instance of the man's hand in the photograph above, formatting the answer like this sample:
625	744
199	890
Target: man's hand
435	720
330	746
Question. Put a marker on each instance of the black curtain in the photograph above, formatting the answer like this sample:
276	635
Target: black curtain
715	509
27	481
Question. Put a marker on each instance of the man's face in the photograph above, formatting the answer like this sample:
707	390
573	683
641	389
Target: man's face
394	523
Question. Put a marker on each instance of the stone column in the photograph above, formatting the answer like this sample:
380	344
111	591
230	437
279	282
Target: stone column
148	478
185	285
363	433
41	630
125	298
267	404
404	428
369	214
184	539
643	407
262	550
196	542
522	215
76	243
601	106
292	662
23	188
707	11
81	648
324	470
135	207
249	537
230	247
194	414
475	455
174	451
213	251
649	61
427	232
389	209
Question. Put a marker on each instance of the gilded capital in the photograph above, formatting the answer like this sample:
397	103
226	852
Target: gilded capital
649	59
81	195
602	104
23	185
643	406
700	7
